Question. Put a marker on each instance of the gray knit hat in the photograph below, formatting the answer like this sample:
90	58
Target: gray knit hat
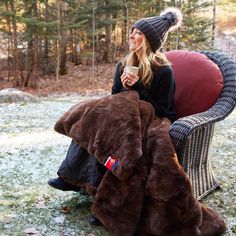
156	28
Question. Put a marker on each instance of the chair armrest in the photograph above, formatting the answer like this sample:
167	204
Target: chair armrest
183	127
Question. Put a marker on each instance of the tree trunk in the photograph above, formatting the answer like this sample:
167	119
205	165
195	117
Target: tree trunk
59	38
46	44
63	45
33	81
125	36
9	43
30	80
63	68
108	29
72	46
15	51
177	4
93	39
29	57
214	24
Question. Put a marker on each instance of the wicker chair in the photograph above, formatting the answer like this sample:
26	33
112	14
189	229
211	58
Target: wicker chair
192	135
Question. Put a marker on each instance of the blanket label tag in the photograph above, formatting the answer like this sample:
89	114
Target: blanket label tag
111	163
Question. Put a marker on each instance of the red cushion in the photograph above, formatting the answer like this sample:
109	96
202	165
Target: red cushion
199	82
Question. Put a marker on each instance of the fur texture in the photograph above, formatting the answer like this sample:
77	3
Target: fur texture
148	193
174	15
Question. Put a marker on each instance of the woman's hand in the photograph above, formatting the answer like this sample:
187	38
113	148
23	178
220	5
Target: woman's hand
128	79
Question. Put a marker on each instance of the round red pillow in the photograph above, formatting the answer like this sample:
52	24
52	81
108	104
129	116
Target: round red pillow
199	82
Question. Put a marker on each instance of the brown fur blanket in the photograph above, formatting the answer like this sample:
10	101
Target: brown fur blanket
147	193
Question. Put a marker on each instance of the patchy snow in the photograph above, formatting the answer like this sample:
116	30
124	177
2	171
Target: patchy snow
31	152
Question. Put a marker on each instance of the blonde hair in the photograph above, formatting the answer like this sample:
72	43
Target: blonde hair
145	59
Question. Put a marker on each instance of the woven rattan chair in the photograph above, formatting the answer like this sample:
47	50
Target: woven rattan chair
192	134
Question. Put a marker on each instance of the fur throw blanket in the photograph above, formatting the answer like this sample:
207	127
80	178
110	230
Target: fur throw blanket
146	192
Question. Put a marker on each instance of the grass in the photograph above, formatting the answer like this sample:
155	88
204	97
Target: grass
31	152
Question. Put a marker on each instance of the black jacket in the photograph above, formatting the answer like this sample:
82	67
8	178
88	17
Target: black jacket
160	93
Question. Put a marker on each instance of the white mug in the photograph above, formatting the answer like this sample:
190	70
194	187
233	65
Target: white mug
132	69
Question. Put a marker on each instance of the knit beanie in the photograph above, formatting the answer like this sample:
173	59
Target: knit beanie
156	28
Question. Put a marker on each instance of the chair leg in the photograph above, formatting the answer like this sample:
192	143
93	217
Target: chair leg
196	161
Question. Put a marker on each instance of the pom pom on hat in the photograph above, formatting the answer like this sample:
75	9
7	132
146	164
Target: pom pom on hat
156	28
174	15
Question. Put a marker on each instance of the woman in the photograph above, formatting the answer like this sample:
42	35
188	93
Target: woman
154	84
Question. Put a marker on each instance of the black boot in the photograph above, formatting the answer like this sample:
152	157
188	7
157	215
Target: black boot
59	183
94	221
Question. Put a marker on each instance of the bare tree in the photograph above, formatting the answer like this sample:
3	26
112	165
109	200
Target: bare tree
108	29
125	28
93	39
9	39
214	23
33	82
46	42
14	45
59	38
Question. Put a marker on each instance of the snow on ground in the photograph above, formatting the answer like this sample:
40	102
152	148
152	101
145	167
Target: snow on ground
31	152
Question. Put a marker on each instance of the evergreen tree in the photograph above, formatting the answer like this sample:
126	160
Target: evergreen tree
195	32
8	18
37	36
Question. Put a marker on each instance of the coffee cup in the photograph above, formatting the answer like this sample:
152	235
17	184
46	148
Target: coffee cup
132	69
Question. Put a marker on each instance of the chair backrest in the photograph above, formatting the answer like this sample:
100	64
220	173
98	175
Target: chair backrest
199	82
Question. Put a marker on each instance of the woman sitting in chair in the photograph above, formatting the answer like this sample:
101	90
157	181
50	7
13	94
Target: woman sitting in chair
154	83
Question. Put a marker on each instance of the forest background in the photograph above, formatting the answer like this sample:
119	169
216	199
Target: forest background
52	46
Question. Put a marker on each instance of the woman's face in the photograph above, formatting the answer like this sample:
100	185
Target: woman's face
135	39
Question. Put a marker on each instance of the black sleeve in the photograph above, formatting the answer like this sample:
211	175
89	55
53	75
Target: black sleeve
117	85
161	93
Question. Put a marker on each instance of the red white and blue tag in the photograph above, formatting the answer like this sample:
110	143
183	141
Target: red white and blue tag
111	163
